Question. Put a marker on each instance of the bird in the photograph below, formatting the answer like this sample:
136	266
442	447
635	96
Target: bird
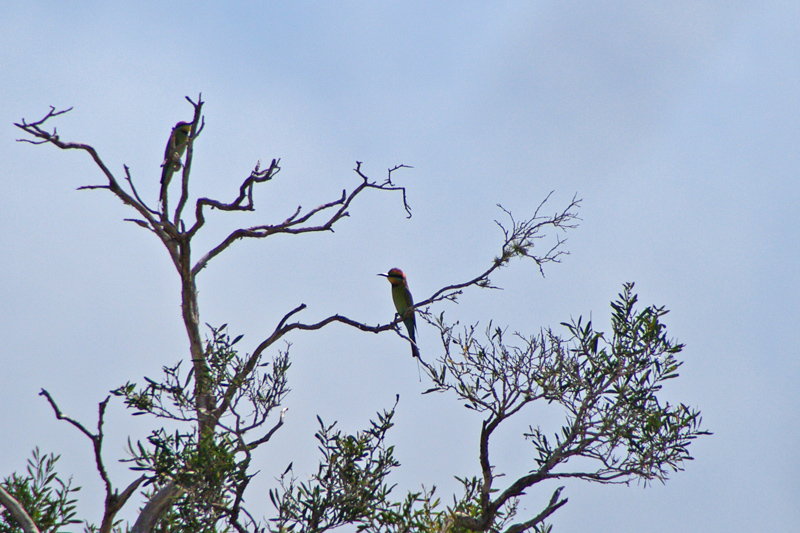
404	303
176	146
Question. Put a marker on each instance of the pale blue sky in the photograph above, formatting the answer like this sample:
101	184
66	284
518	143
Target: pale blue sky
678	123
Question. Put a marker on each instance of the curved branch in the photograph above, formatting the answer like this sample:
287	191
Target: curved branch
551	508
156	507
245	191
18	512
270	433
97	440
279	332
388	185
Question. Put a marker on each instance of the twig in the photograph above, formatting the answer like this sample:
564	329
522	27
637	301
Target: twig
133	188
551	508
271	432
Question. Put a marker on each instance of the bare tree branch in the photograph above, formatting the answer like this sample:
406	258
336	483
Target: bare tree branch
279	332
519	240
113	500
198	123
551	508
97	440
35	129
294	224
135	193
156	507
265	438
61	416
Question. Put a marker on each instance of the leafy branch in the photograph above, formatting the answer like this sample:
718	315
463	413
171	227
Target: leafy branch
350	484
607	388
39	502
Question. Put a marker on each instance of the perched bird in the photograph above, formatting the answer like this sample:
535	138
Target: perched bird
403	302
176	146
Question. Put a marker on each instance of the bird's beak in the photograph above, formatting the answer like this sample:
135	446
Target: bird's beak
384	275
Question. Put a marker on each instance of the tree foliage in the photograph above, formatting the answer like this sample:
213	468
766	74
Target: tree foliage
48	500
227	403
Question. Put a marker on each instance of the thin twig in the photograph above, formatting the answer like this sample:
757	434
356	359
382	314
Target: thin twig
551	508
271	432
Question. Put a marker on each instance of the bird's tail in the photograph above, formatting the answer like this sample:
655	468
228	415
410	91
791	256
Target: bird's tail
414	350
413	338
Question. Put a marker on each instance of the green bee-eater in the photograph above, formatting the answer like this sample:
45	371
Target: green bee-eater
403	302
176	146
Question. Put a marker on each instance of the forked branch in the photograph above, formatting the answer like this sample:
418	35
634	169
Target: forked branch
114	501
295	223
555	503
